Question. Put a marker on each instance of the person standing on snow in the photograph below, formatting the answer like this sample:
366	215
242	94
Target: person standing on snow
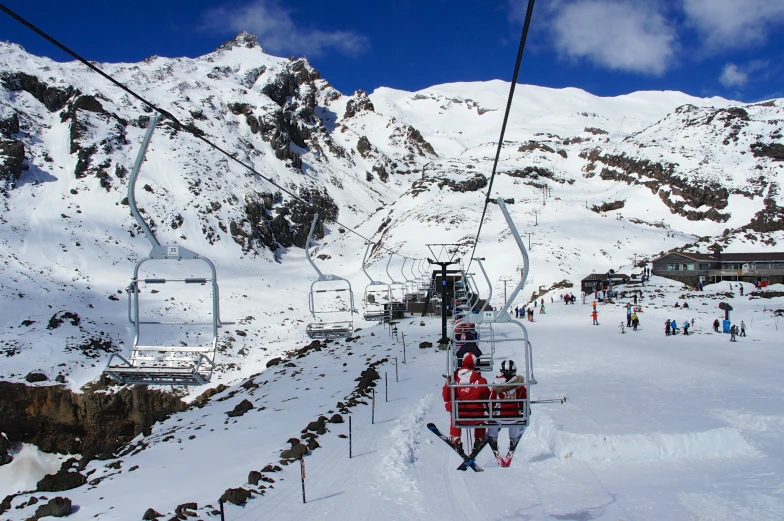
635	321
595	317
507	386
517	312
716	325
466	376
733	332
742	328
686	328
673	326
667	328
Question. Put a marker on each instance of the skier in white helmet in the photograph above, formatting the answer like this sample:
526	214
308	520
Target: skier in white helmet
507	386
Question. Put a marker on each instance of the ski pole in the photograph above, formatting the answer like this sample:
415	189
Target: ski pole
554	400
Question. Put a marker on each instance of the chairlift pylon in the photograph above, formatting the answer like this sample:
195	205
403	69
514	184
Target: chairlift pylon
324	284
169	364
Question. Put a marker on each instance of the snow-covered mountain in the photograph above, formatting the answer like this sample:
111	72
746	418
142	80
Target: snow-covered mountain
596	182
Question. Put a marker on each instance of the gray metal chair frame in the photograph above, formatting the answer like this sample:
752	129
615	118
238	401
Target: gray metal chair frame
374	311
164	365
397	292
318	328
494	319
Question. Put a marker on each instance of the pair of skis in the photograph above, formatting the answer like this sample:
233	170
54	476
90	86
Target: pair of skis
469	460
504	461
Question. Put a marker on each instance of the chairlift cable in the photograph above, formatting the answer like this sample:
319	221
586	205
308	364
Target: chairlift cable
194	131
520	51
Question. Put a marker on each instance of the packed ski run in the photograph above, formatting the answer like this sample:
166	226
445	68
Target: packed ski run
654	426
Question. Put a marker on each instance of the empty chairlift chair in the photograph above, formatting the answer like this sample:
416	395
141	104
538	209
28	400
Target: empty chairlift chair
170	364
377	296
397	293
320	305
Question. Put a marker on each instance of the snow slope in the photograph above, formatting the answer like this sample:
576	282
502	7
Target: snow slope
654	427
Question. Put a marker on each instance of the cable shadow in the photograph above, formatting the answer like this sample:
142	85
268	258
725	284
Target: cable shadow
326	497
386	421
363	453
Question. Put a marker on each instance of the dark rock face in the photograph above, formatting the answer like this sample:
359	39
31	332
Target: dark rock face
253	477
60	317
53	98
52	417
150	514
12	159
57	507
359	102
607	207
477	182
5	445
36	377
235	496
241	408
9	126
660	176
291	224
63	480
367	378
775	151
770	218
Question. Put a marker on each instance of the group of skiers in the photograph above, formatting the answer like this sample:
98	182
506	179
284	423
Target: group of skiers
529	313
474	398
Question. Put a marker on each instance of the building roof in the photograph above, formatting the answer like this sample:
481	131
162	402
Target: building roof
603	276
728	257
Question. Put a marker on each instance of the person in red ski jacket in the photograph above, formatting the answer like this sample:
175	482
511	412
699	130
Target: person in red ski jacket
468	376
507	386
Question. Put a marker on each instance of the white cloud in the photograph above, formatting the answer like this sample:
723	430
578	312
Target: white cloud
729	24
624	35
737	76
733	76
277	32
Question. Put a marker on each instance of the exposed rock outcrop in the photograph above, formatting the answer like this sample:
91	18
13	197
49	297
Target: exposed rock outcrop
94	423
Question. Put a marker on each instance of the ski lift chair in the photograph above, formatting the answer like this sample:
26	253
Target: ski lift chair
169	364
324	285
377	296
512	344
397	293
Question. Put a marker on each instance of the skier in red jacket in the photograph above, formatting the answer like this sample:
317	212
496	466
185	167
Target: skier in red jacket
507	386
466	375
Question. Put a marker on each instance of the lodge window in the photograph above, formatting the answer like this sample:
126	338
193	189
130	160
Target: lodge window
704	266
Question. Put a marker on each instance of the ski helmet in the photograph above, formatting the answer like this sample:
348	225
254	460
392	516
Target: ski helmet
508	368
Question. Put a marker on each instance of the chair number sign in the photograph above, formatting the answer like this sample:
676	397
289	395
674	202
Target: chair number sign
173	251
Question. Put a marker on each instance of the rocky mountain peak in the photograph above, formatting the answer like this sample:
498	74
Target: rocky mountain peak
243	39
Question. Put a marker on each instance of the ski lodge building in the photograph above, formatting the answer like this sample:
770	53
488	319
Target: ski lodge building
762	268
600	281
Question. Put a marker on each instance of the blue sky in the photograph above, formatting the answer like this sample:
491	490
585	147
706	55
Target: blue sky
729	48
